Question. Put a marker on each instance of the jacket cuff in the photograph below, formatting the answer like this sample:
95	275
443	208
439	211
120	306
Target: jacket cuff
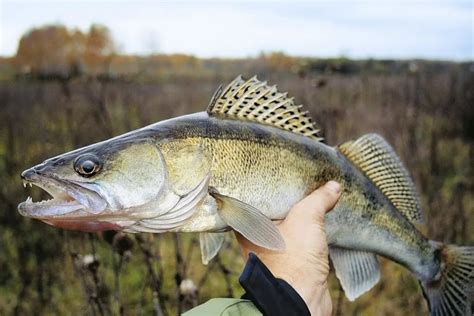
270	295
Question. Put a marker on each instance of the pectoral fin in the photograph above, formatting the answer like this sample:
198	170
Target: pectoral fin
248	221
211	243
358	271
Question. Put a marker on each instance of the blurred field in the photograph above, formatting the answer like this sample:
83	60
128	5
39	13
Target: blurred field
423	108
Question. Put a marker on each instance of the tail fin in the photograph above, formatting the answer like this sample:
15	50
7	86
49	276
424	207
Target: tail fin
452	293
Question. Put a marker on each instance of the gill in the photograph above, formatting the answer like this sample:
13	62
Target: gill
185	186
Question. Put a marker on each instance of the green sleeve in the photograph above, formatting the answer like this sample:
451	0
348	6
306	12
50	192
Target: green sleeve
224	307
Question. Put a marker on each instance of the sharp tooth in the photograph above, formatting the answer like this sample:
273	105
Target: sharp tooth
31	185
29	199
24	184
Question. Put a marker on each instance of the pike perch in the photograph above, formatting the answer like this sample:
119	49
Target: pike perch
241	164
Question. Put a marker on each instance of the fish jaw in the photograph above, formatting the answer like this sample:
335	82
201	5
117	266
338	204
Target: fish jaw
83	206
69	200
87	226
72	207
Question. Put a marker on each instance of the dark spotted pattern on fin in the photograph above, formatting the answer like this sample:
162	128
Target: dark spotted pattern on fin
377	159
452	293
255	101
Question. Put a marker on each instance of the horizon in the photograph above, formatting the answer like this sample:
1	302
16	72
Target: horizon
351	29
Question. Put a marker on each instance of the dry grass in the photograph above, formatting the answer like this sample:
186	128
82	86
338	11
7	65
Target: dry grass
427	116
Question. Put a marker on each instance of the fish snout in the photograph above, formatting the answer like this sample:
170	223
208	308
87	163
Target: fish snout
33	173
28	174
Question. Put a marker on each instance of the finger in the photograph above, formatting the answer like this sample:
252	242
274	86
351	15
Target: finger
319	202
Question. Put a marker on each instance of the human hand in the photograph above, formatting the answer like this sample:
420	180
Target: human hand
304	264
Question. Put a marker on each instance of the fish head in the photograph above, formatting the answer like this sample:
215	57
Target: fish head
99	187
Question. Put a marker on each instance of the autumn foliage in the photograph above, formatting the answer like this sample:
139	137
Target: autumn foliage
56	50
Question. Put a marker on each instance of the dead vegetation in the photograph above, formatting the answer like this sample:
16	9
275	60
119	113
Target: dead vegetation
425	109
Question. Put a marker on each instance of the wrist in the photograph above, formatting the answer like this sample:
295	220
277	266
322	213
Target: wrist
319	301
316	295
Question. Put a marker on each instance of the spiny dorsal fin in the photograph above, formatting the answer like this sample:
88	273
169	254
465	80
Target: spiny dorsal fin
377	159
255	101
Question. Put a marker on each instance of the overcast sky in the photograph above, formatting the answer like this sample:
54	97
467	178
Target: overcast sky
358	29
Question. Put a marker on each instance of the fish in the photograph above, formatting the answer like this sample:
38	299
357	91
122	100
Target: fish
241	165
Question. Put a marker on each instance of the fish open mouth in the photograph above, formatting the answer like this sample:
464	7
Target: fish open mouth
71	206
62	203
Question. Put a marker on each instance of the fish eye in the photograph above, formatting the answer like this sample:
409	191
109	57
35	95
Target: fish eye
87	165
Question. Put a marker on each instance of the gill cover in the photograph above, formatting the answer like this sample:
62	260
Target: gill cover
186	180
131	177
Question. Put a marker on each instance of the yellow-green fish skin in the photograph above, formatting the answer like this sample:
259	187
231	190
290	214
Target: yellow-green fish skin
272	169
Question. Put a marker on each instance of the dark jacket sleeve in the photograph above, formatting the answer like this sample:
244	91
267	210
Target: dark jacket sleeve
265	295
270	295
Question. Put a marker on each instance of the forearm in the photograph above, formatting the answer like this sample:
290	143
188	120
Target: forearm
274	295
315	293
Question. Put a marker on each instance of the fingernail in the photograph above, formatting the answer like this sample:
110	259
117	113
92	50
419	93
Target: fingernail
334	186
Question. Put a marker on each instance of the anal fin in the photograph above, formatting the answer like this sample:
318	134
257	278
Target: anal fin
210	243
357	271
248	221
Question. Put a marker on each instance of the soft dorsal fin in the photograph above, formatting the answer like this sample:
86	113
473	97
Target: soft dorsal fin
377	159
255	101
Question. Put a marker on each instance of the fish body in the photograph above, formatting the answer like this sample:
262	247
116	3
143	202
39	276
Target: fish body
273	169
240	165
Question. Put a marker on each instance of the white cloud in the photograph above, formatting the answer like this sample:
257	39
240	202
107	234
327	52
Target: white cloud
360	29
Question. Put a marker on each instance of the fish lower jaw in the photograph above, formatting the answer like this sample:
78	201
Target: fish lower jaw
62	202
88	225
48	208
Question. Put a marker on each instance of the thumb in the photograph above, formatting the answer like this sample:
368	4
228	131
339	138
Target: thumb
318	203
